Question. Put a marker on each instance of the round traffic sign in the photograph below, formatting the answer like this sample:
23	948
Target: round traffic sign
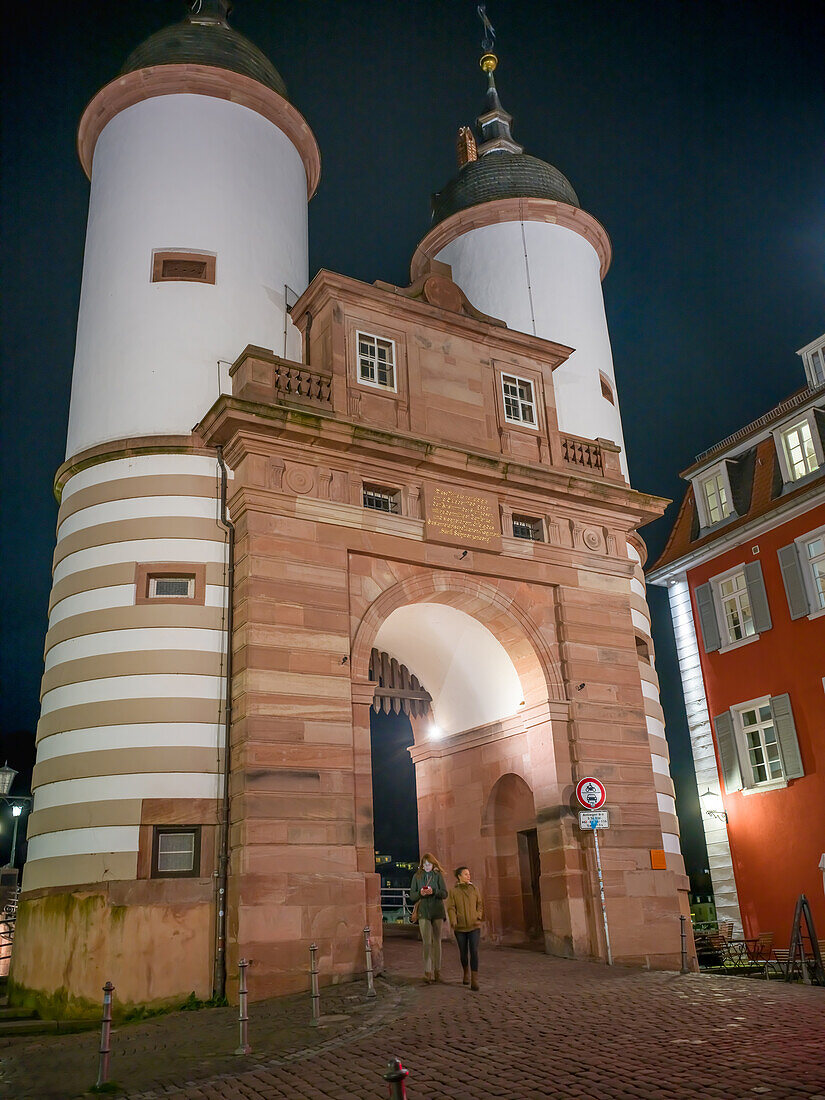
591	793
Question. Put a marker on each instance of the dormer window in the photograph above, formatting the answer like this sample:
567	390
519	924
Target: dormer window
376	361
813	356
713	496
800	452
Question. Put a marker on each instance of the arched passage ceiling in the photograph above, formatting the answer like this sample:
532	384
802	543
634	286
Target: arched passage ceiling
464	667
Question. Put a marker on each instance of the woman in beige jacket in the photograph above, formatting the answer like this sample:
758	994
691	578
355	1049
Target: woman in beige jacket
465	911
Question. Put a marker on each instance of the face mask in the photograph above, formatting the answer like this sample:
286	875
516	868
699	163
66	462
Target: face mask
428	867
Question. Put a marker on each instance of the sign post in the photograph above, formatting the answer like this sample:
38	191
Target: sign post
591	794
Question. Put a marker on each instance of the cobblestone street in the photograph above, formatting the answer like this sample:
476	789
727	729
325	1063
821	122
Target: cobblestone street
539	1027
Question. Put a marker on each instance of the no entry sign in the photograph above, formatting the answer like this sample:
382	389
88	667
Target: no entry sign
591	793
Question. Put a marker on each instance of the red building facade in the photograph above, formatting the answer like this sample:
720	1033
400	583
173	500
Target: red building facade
745	569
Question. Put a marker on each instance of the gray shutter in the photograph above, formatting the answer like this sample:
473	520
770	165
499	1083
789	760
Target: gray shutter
786	736
728	753
707	618
758	597
794	581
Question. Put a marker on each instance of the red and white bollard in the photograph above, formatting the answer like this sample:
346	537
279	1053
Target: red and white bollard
397	1075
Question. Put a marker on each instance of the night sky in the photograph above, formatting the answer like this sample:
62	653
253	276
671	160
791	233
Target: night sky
692	130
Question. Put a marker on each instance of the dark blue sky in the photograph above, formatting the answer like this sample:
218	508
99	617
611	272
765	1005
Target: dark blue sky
694	131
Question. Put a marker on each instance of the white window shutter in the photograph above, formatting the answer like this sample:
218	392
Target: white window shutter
758	597
786	736
728	752
707	618
794	581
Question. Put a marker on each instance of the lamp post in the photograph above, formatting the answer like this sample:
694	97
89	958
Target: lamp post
7	775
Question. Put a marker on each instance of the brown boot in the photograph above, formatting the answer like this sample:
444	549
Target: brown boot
466	975
437	976
428	979
474	980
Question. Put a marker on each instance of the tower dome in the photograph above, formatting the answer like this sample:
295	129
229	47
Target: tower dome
502	176
206	38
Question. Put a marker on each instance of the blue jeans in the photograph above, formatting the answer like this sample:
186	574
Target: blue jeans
468	945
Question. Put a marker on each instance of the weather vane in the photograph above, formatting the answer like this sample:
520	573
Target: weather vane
489	40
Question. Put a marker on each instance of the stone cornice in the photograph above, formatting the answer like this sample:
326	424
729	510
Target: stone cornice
512	210
328	285
125	448
208	80
323	432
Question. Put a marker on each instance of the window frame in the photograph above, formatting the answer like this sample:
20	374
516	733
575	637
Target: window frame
807	569
157	831
533	402
782	449
374	489
147	572
376	385
743	748
718	471
815	348
153	579
729	642
536	523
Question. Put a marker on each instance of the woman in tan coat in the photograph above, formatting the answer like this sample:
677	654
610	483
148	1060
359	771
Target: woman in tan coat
465	911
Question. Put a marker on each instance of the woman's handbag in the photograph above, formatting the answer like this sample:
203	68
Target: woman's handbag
414	914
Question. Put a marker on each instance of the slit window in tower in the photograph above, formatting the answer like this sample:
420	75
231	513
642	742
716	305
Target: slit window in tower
376	361
527	527
176	851
519	402
183	267
382	499
607	389
171	587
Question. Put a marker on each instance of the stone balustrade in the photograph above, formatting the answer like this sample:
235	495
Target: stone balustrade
260	375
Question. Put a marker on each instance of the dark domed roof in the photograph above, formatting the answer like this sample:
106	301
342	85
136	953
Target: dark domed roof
502	175
206	42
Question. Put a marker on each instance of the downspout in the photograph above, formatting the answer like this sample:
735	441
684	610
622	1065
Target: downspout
219	980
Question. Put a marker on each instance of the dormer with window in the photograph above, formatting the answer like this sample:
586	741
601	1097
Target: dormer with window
813	356
799	446
714	500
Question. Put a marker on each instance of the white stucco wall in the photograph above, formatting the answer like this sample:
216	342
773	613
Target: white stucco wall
545	280
182	172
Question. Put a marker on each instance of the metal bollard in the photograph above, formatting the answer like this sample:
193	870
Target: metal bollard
368	949
316	992
243	1008
105	1036
397	1075
685	968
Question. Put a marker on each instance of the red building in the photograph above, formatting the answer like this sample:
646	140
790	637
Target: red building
745	569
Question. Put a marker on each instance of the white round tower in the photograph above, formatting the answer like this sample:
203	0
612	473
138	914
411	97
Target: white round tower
522	249
201	171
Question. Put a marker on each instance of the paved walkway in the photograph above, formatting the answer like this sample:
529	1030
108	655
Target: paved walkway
538	1028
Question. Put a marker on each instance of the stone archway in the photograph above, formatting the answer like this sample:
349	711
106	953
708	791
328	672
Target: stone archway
470	805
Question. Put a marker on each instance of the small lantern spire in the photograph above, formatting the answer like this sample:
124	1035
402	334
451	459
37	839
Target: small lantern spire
494	123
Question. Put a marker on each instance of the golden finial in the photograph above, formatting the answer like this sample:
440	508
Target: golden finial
489	62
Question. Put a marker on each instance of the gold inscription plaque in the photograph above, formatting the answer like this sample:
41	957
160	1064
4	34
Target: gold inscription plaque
462	518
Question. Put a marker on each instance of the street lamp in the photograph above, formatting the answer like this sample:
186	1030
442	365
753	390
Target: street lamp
7	775
713	805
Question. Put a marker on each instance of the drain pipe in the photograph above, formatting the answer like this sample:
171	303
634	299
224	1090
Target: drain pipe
219	980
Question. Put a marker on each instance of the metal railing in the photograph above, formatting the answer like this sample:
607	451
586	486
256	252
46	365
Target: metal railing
395	904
